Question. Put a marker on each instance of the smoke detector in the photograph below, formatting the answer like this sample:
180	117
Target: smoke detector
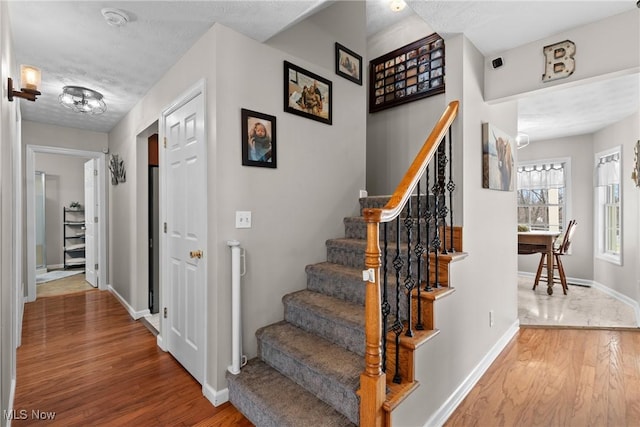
115	17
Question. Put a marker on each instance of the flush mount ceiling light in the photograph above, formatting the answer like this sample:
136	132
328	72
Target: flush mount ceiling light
397	5
82	100
115	17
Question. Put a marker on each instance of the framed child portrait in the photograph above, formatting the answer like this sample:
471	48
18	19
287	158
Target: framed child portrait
258	139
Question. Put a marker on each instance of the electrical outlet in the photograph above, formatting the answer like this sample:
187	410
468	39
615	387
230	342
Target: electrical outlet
491	318
243	219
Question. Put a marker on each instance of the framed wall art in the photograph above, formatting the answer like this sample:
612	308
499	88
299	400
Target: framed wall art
498	170
307	94
407	74
348	64
258	139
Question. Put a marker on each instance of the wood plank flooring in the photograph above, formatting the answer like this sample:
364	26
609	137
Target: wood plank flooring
84	359
559	377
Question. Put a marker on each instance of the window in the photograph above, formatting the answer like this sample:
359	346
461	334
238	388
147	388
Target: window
608	203
543	194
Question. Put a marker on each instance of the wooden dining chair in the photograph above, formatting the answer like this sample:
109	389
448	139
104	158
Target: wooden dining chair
560	247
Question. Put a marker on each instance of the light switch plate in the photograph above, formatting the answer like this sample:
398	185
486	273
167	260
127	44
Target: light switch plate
243	219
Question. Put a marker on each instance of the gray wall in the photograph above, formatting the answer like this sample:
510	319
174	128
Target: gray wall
579	263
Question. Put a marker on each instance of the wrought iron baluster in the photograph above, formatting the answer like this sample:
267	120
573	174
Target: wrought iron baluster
408	281
451	186
397	324
435	243
419	251
386	307
442	213
427	222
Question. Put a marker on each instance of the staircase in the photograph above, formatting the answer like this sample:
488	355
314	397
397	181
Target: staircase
308	368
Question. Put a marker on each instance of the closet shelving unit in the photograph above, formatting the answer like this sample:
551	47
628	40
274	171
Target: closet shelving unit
73	226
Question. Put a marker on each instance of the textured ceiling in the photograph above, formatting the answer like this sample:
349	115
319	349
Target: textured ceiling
81	49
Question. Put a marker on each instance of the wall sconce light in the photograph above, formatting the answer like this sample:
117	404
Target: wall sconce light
29	81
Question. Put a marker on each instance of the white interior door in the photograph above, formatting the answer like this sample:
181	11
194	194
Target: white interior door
185	205
90	216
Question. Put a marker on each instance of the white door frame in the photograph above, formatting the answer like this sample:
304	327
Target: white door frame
198	89
31	151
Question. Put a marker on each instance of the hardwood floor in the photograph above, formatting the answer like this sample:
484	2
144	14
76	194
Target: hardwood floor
559	377
84	359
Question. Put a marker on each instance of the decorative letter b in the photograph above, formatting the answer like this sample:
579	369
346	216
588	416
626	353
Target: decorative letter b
558	60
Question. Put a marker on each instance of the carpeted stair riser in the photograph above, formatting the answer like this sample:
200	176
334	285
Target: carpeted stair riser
335	320
252	393
350	252
346	283
336	280
330	372
356	228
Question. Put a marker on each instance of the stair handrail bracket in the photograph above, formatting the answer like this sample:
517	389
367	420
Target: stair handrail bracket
374	377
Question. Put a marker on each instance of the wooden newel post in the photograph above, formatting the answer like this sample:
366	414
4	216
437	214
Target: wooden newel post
372	380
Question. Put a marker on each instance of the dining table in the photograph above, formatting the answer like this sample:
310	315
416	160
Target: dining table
539	241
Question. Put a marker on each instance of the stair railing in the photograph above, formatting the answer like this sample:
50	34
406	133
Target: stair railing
382	313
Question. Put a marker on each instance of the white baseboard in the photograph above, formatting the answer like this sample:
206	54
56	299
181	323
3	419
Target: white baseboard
160	342
55	266
445	411
133	313
570	280
217	398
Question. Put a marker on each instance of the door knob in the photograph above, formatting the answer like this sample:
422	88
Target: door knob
196	254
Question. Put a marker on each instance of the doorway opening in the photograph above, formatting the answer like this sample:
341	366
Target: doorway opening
65	249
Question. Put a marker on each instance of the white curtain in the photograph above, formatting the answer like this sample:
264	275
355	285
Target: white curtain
540	176
608	170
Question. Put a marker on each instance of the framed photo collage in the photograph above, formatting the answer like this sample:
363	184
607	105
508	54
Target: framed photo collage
409	73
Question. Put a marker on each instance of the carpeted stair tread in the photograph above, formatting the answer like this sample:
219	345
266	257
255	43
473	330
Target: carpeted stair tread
336	280
331	372
333	319
269	399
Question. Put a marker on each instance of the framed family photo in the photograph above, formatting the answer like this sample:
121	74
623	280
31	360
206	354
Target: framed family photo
348	64
258	139
307	94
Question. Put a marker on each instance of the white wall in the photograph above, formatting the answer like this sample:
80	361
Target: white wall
395	135
579	263
623	278
295	207
605	48
64	183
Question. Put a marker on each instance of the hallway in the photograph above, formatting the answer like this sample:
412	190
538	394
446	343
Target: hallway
84	361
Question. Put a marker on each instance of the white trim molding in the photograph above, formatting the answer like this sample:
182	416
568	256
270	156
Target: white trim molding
217	398
135	315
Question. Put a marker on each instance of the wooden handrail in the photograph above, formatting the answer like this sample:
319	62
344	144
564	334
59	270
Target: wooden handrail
373	380
410	180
